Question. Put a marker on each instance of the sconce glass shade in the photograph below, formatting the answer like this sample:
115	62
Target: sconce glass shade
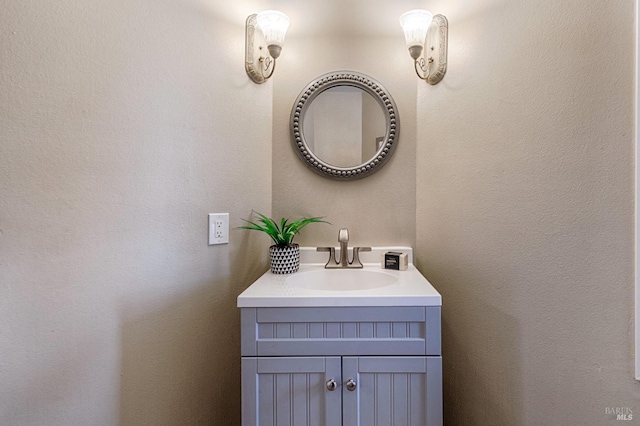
274	25
415	24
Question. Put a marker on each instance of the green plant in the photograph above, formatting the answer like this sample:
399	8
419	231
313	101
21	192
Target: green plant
282	234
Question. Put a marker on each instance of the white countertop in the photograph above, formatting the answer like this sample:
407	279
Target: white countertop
409	289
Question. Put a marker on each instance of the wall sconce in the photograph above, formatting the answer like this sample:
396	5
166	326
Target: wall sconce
273	25
422	29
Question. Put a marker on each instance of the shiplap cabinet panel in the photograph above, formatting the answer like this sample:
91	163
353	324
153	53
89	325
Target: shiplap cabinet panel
393	391
408	330
291	391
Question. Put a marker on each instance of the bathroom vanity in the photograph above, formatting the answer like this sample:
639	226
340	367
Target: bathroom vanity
341	347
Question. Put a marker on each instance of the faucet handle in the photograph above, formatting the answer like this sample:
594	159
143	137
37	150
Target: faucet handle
356	263
332	255
343	235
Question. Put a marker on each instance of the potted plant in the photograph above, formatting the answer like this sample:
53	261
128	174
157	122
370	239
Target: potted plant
284	254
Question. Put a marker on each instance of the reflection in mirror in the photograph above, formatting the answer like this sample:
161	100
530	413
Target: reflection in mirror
344	126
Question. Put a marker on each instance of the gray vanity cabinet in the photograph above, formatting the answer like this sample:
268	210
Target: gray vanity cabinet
351	366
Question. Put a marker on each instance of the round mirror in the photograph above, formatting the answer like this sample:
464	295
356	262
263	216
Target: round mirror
344	125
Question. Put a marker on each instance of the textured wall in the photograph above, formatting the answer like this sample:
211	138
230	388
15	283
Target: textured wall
525	211
123	125
379	209
362	36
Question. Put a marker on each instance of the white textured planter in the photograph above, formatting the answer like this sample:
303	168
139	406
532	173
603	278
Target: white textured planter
285	260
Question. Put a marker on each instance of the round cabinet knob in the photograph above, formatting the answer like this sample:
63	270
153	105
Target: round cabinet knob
331	385
351	385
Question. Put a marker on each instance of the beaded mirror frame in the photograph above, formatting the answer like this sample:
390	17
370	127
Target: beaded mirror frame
359	81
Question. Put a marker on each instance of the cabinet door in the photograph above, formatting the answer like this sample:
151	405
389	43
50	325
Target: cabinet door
392	391
291	391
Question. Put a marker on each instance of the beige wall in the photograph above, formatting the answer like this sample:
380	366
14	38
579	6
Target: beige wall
379	209
525	211
123	125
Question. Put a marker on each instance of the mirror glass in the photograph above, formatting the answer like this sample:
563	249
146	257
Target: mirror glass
344	125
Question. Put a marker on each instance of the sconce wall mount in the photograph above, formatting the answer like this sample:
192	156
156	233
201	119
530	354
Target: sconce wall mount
261	52
426	38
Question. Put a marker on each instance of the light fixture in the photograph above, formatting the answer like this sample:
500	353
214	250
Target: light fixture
422	29
273	25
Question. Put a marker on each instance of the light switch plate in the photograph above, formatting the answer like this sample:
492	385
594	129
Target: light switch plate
218	228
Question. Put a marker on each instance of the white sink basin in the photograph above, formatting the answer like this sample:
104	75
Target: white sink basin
314	286
341	279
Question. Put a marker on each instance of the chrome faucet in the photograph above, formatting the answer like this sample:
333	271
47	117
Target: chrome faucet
343	239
